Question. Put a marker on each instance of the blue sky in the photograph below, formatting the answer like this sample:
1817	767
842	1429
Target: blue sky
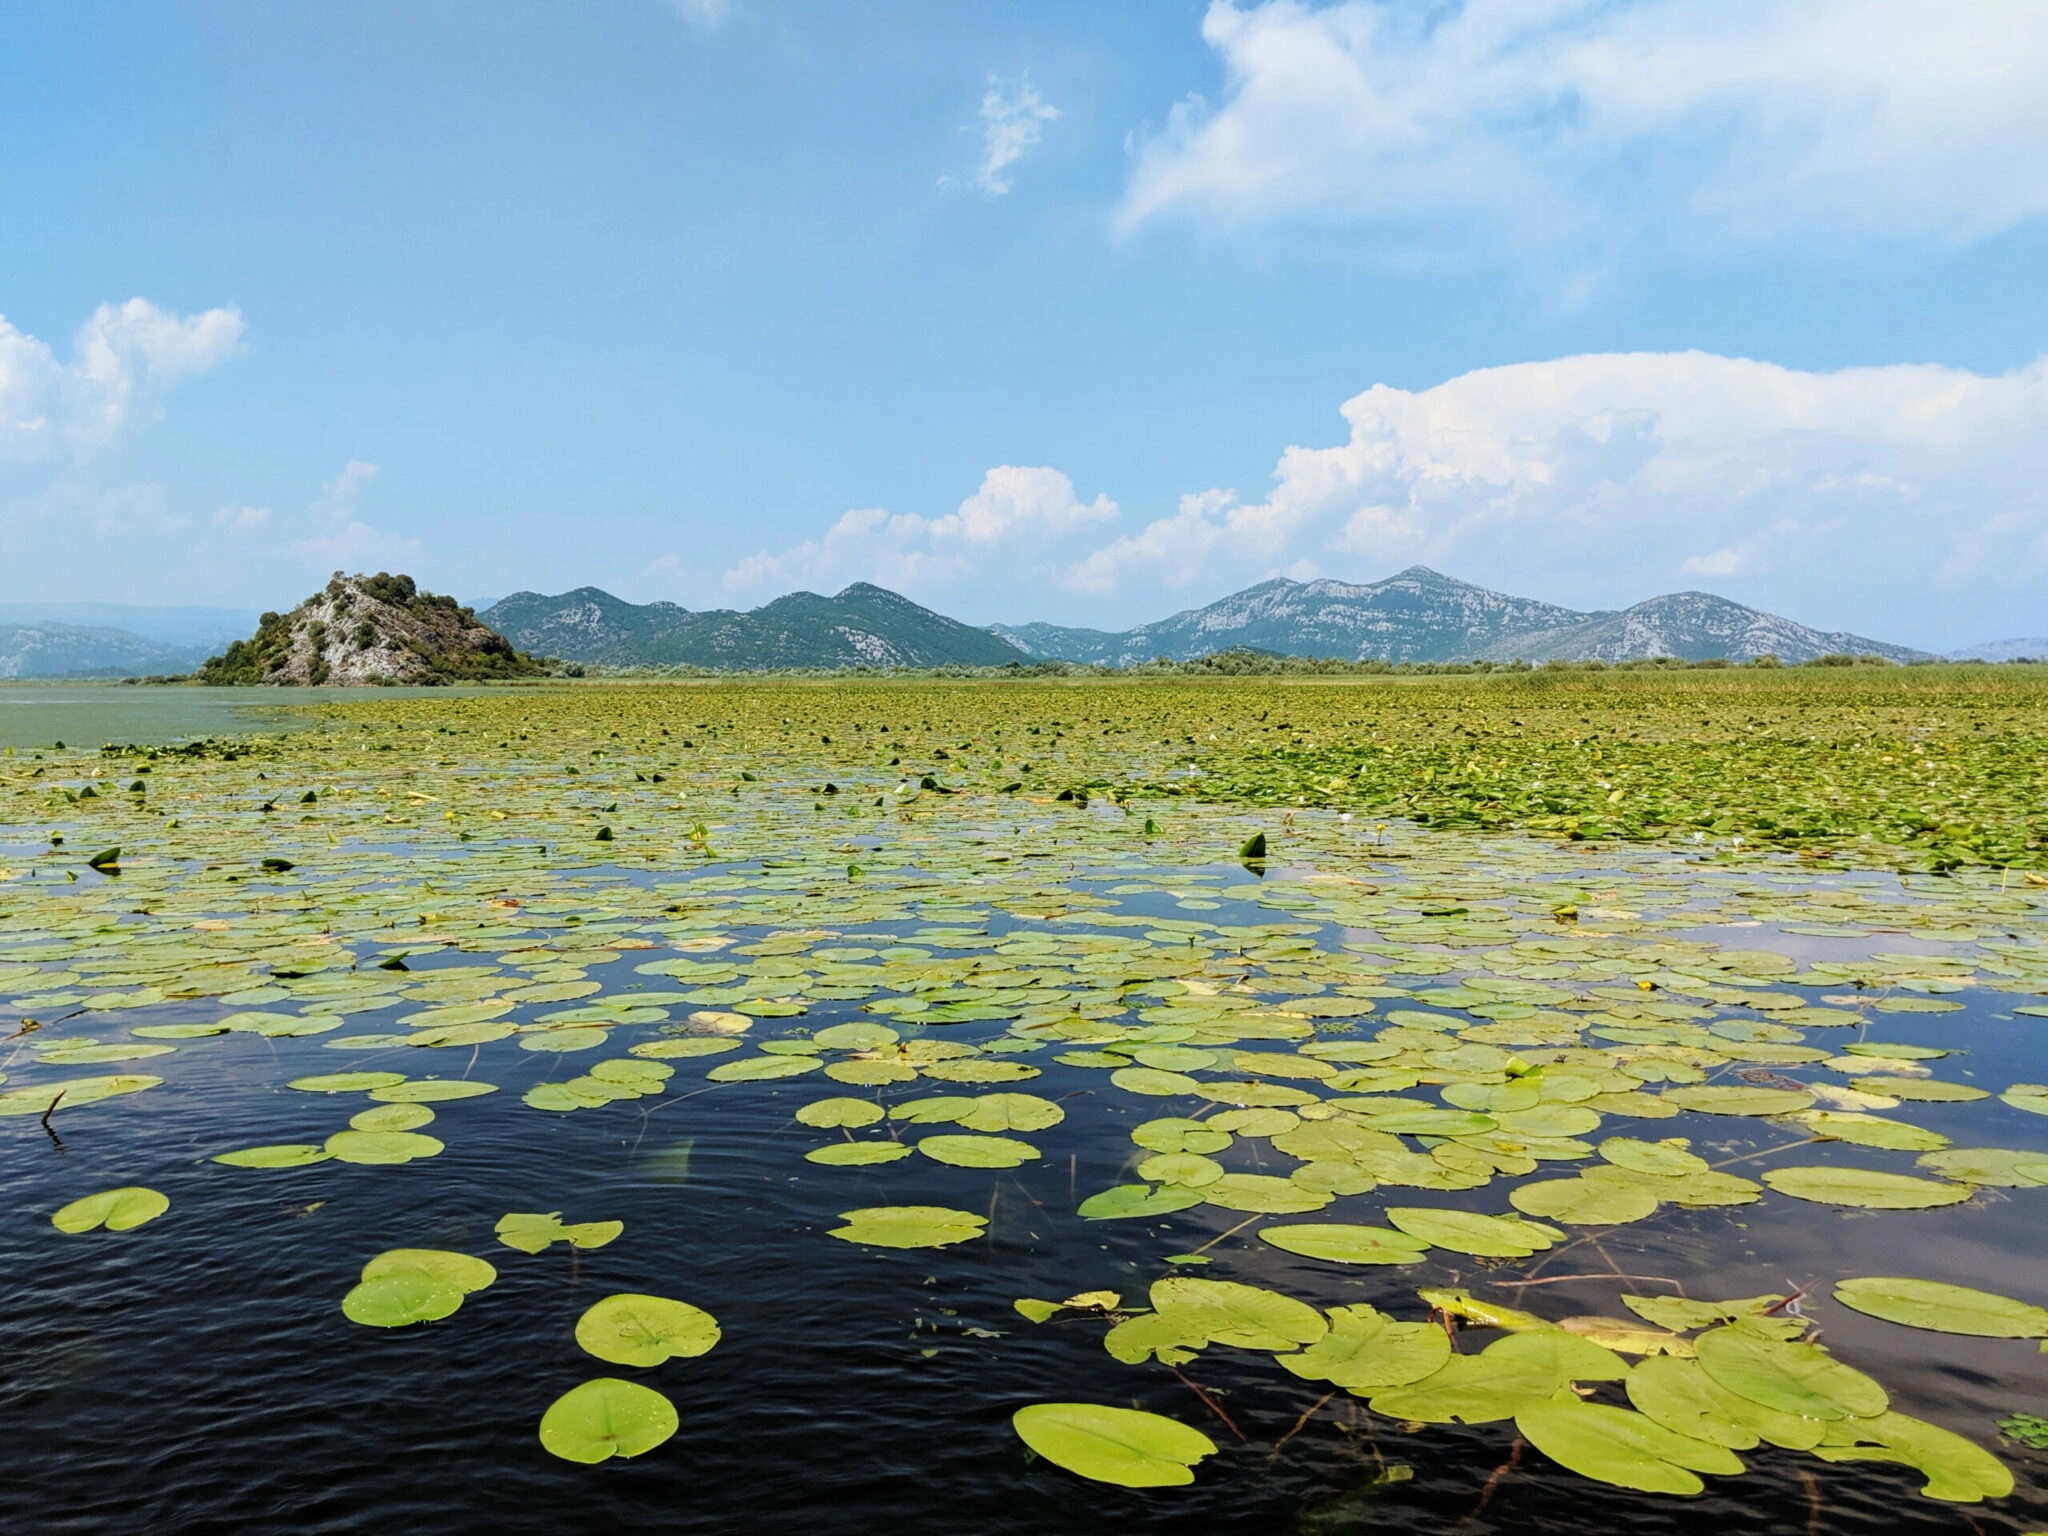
1064	311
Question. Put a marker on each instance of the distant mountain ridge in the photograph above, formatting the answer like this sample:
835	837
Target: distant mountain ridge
2035	649
862	625
1421	615
51	649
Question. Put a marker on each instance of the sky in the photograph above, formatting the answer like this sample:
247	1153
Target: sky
1066	311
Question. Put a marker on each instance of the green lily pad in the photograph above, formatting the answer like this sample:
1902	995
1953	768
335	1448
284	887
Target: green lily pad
1956	1470
444	1266
118	1210
382	1147
1800	1379
909	1226
1864	1187
1584	1202
1944	1308
1262	1194
978	1151
1683	1398
400	1300
1365	1351
630	1329
862	1154
1926	1090
537	1231
996	1112
1497	1237
346	1082
607	1417
1726	1099
1125	1446
1176	1135
1127	1200
1872	1131
1628	1450
392	1117
831	1114
1997	1166
1346	1244
761	1069
287	1155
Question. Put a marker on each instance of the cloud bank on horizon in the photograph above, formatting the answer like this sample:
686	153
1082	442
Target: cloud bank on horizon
1683	468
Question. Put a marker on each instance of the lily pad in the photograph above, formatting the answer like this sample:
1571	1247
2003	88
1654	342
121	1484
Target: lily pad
607	1417
831	1114
1628	1450
1127	1200
537	1231
909	1226
1125	1446
1800	1379
1864	1187
286	1155
861	1154
1944	1308
1726	1099
1347	1244
1497	1237
1957	1470
630	1329
400	1300
382	1147
118	1210
978	1151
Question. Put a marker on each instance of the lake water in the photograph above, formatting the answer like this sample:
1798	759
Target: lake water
86	714
198	1375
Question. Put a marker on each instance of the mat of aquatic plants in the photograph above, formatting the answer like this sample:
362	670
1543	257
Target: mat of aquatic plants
922	1107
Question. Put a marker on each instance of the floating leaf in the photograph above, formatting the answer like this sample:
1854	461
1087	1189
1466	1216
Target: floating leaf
1944	1308
346	1082
758	1069
1137	1200
1956	1470
607	1417
1346	1244
1864	1187
863	1154
830	1114
1613	1445
118	1210
1125	1446
288	1155
1498	1237
909	1226
630	1329
1584	1202
399	1300
978	1151
537	1231
1800	1379
1365	1351
1682	1397
382	1147
1725	1099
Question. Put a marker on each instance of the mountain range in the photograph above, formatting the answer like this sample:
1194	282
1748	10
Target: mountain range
861	626
1418	615
1422	615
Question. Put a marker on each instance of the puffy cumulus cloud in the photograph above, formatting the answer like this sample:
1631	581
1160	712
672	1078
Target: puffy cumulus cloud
335	536
1562	127
1013	523
1602	479
122	359
1013	119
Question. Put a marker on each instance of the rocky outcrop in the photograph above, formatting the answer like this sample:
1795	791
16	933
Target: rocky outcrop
367	630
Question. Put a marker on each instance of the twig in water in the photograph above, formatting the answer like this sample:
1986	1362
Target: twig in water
1307	1414
1786	1146
49	1129
1813	1504
1221	1235
1561	1279
1486	1494
1214	1406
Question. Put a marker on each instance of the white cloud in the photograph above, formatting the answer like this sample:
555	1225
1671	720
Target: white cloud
241	519
123	358
1013	119
702	13
1608	477
1010	524
340	540
1563	127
